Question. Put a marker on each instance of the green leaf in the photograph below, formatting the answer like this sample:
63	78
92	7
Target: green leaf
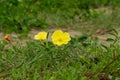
110	39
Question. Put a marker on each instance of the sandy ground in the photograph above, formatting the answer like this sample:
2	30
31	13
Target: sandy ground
101	34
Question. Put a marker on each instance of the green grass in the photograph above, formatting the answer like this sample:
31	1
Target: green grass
21	16
84	58
81	59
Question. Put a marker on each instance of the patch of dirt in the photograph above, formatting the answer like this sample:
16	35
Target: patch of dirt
107	10
73	33
101	34
15	37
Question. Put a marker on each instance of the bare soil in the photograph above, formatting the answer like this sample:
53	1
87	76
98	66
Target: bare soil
101	34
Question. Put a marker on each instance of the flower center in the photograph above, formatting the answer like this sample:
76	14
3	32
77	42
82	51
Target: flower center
60	40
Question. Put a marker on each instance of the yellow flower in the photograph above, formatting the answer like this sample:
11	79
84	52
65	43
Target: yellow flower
59	37
41	36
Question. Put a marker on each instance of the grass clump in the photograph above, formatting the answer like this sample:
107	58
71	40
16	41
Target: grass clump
20	15
85	59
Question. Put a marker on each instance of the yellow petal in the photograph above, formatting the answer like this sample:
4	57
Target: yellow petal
59	37
41	36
